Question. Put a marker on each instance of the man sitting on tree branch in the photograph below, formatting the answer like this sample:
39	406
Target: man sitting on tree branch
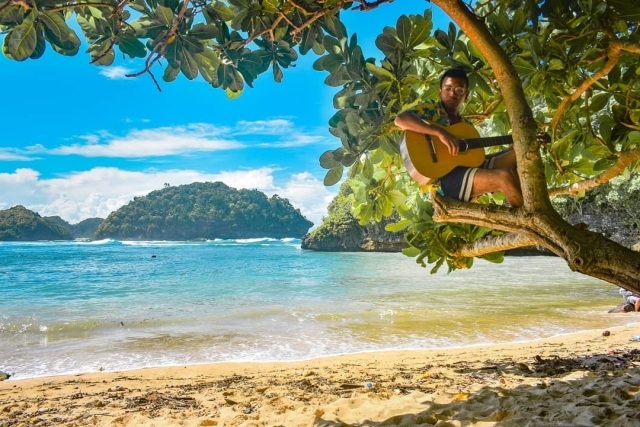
497	173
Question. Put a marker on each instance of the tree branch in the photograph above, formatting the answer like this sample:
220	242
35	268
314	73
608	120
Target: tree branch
491	244
613	54
161	47
625	158
529	226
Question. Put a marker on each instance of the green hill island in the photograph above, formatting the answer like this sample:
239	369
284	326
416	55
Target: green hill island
202	211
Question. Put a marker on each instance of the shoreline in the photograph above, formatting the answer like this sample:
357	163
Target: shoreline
583	378
355	354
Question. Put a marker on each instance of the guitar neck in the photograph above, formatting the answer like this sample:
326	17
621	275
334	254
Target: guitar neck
485	142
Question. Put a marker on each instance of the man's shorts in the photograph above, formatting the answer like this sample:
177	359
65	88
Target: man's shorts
459	182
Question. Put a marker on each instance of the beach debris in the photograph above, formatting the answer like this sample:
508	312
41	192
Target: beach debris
635	338
230	401
606	333
248	410
350	386
153	401
461	396
522	367
368	385
4	376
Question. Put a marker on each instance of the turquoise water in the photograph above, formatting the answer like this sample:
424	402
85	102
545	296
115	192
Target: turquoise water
69	307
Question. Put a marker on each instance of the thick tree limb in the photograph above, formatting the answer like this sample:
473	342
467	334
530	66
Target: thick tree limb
491	244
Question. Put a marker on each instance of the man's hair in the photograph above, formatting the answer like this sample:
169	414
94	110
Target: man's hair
455	72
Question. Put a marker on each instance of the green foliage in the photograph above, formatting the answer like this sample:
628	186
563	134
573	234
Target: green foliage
204	211
21	224
227	43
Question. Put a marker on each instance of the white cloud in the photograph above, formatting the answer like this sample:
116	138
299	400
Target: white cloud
163	141
100	191
264	127
116	72
176	140
8	154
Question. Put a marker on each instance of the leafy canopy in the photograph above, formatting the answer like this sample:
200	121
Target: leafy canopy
578	62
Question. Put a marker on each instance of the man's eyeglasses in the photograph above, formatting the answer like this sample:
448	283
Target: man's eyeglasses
458	90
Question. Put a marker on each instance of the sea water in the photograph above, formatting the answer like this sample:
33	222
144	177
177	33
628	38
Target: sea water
70	307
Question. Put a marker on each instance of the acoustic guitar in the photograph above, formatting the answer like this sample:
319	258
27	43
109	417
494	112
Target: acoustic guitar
427	158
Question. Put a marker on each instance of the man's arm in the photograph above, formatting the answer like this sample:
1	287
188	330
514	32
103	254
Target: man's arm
410	121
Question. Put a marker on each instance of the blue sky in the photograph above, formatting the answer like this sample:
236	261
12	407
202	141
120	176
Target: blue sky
80	141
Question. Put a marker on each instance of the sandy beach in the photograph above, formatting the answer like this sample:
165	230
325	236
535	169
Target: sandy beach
586	379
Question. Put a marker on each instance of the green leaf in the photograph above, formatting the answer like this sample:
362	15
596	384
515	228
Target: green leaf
56	24
130	45
495	257
308	39
229	77
189	65
170	74
277	72
333	176
100	55
222	11
385	208
556	64
411	251
41	46
598	102
191	44
420	34
208	62
11	14
204	32
443	39
403	28
21	41
397	197
398	226
523	67
387	44
379	72
328	161
164	15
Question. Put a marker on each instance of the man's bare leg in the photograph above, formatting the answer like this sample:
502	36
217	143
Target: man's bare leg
490	180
